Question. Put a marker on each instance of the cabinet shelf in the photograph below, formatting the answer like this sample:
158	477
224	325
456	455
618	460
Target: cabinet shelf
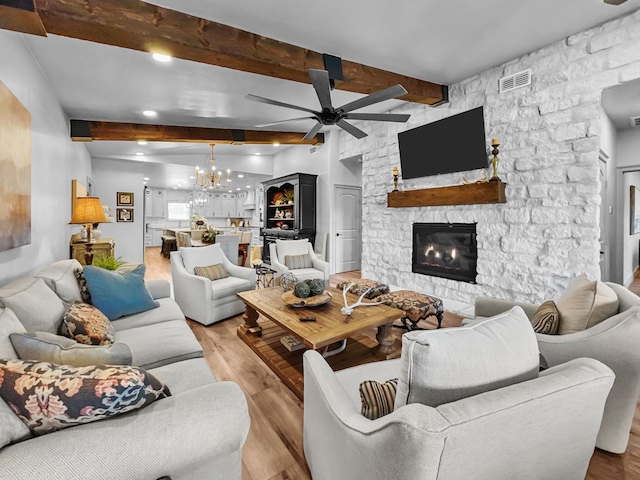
470	194
282	206
282	219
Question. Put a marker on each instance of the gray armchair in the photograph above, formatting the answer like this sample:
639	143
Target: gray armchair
203	300
615	342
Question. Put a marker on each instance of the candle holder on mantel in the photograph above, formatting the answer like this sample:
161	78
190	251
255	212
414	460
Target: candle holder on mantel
395	178
495	143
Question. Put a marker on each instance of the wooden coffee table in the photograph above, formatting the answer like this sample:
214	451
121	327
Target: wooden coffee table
263	334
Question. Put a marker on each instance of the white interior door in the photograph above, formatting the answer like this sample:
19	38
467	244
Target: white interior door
347	227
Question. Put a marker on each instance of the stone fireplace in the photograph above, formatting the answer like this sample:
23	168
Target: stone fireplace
447	250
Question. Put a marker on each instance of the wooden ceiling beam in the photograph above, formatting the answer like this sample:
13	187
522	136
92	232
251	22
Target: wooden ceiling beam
145	27
87	131
21	16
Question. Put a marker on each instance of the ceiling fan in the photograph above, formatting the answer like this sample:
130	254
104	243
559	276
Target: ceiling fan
615	2
338	116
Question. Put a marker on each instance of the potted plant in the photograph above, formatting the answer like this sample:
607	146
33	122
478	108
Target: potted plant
209	234
288	197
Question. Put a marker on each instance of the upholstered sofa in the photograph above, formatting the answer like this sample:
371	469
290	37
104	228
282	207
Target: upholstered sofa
315	268
614	342
196	433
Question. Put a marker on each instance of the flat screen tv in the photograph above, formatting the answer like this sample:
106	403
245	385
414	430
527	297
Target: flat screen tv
453	144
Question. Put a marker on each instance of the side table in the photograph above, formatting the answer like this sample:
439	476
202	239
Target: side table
265	277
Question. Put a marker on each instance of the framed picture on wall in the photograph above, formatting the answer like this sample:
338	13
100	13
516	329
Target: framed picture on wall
634	210
124	199
124	214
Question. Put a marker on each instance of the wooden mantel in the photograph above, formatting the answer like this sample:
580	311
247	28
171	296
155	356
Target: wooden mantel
469	194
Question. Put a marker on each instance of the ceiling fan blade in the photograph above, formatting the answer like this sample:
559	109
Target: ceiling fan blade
615	2
312	133
320	81
285	121
381	96
346	126
378	117
268	101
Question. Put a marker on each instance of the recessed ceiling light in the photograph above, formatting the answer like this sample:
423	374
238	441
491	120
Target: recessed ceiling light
175	188
160	57
139	154
192	177
142	142
144	183
258	153
248	186
238	188
149	113
240	175
145	178
276	144
230	191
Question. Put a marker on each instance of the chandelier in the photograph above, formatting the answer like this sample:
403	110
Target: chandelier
198	198
211	179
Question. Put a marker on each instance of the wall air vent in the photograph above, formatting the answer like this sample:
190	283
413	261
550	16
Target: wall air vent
517	80
635	121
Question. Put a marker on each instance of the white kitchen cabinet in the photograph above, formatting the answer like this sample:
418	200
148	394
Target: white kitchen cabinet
157	237
159	202
148	202
229	208
216	204
240	199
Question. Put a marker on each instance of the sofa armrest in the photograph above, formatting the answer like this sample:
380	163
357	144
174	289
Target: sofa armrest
319	265
197	434
159	288
240	272
191	292
489	307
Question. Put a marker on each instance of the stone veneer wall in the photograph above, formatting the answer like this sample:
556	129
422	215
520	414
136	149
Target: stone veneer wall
530	248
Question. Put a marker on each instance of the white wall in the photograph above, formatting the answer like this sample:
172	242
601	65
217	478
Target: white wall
608	142
628	157
55	161
547	233
114	176
628	148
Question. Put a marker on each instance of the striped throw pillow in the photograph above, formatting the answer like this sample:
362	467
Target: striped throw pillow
294	262
212	272
378	398
546	320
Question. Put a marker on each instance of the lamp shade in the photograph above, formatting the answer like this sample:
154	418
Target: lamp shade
88	210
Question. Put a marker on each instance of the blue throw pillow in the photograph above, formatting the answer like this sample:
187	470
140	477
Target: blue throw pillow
117	294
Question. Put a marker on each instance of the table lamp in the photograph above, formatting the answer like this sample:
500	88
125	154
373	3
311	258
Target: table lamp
88	211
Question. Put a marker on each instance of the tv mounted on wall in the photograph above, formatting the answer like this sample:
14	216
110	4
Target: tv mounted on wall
453	144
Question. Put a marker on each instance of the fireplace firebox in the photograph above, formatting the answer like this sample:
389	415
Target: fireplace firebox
446	250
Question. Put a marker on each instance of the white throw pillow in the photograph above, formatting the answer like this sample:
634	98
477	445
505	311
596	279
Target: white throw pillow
445	365
37	307
9	324
60	278
291	247
201	257
585	303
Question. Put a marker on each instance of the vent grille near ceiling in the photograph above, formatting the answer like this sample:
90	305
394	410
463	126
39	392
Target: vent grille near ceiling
517	80
635	121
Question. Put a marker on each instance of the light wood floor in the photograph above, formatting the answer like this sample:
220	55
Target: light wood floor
274	449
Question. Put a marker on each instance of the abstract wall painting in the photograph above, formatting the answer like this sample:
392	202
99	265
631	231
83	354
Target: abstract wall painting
15	165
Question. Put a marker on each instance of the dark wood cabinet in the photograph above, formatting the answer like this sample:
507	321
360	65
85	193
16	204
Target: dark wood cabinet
289	209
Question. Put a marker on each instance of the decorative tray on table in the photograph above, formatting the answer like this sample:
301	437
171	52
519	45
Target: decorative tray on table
313	301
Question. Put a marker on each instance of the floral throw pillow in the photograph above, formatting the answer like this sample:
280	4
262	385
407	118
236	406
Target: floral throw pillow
86	324
49	397
82	285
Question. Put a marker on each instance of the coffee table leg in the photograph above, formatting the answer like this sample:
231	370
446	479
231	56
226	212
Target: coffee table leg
251	322
386	338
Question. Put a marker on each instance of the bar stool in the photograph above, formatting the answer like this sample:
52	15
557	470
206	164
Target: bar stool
168	245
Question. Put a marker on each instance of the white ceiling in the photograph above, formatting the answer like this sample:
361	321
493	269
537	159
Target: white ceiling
438	41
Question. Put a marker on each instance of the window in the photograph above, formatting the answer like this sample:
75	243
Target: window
178	211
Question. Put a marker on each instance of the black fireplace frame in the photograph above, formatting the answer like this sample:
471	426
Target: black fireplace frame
464	228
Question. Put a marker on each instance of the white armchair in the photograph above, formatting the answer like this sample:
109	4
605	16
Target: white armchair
614	342
203	300
282	248
541	428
